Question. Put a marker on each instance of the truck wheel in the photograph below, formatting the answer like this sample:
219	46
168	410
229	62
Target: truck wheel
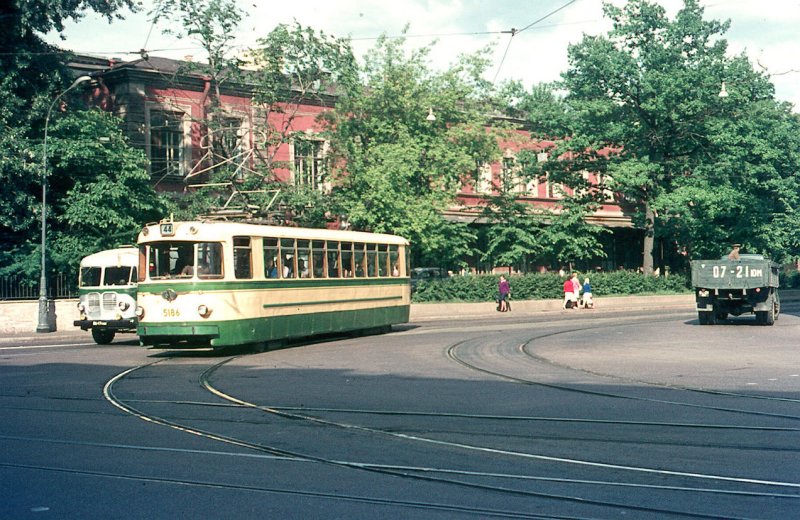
722	316
102	336
769	318
705	318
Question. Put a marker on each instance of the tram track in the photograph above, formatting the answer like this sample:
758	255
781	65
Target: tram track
426	473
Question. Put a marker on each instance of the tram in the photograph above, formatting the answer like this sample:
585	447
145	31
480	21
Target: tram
107	293
218	284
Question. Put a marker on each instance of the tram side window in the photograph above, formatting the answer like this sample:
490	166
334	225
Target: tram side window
209	260
170	259
304	258
347	259
394	260
359	260
318	258
372	260
383	260
333	260
271	257
242	258
288	269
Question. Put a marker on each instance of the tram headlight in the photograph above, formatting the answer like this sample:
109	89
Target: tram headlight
204	311
123	306
139	312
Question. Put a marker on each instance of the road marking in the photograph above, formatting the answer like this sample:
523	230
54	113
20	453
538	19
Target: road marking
46	346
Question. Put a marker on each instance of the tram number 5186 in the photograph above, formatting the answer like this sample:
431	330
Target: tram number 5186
171	313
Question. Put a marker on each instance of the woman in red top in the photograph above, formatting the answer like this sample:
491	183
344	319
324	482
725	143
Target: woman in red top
568	294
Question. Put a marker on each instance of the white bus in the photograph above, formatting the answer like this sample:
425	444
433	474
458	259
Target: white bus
107	293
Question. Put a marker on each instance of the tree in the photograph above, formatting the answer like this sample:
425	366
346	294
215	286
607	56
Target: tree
288	67
32	73
396	169
645	110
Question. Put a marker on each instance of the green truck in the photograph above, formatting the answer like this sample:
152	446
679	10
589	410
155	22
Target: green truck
734	286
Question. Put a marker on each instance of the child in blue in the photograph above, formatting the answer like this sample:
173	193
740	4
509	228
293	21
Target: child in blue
587	302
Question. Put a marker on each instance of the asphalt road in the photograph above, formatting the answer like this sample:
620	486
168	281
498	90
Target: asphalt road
576	414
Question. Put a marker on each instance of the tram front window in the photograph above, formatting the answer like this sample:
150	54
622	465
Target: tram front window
178	260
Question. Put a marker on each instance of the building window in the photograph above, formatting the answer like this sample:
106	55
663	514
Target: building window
484	177
309	163
512	180
166	144
554	190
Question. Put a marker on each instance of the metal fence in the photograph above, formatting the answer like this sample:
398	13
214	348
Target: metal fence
61	285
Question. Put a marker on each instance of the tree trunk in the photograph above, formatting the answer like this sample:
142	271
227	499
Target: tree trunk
647	249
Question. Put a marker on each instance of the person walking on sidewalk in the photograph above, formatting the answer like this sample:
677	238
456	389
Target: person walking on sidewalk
504	290
576	290
587	302
568	291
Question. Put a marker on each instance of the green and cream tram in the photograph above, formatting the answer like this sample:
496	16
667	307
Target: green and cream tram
219	284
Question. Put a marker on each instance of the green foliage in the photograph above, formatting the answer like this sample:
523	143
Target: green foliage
545	286
643	110
398	171
99	194
32	74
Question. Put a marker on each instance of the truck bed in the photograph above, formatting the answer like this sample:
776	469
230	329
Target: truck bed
745	273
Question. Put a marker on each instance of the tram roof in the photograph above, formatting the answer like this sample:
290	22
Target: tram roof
128	255
219	230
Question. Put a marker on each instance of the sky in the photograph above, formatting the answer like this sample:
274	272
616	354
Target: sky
764	30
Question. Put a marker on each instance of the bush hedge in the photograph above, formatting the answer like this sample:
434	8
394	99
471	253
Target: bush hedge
482	288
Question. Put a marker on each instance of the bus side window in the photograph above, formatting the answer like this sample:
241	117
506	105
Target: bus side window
271	257
242	258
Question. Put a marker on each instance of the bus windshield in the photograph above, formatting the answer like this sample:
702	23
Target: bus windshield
185	260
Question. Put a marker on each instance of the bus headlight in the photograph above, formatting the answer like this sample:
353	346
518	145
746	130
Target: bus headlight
123	306
140	312
203	311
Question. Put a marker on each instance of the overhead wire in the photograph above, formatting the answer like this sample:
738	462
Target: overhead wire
515	32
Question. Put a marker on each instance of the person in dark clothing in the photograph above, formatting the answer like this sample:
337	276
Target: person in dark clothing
504	290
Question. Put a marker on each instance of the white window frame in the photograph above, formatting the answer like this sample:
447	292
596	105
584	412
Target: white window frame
184	147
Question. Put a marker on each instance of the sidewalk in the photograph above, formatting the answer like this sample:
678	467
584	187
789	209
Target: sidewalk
436	311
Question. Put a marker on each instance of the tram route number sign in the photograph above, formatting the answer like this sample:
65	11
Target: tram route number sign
167	229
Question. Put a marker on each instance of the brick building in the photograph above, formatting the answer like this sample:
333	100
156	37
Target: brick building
165	109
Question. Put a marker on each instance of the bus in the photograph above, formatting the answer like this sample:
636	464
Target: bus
107	293
218	284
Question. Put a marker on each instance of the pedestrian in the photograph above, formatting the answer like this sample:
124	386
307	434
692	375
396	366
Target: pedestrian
587	302
576	290
568	290
503	291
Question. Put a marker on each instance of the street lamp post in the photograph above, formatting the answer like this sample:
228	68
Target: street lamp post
45	324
